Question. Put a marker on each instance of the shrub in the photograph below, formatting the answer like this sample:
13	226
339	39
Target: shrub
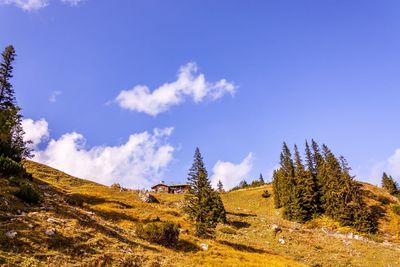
163	233
9	167
27	193
266	194
396	209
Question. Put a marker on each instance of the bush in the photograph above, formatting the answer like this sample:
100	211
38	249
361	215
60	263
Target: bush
266	194
396	209
163	233
28	193
9	167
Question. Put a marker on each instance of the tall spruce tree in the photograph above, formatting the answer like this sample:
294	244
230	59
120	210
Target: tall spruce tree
12	144
261	179
353	211
331	182
278	187
220	186
203	204
311	184
389	184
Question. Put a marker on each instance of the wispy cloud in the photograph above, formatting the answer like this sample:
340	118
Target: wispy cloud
138	163
189	83
53	96
32	5
391	165
230	173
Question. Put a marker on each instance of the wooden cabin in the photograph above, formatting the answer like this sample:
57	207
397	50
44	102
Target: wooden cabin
179	188
172	189
160	188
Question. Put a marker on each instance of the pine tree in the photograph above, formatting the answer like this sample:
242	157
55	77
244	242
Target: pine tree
331	182
277	187
220	186
389	184
243	184
311	183
261	179
12	144
203	204
287	182
352	210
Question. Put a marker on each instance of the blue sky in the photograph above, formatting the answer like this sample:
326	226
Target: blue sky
293	70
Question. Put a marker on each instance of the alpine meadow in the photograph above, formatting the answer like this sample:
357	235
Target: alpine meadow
275	143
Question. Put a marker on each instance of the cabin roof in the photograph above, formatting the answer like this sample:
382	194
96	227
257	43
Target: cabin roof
159	185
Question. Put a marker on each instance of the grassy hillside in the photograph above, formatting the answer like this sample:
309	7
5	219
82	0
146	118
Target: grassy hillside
95	226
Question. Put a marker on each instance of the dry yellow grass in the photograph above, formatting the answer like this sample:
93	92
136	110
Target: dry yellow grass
100	232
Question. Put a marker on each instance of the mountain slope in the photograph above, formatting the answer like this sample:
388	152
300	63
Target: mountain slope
95	225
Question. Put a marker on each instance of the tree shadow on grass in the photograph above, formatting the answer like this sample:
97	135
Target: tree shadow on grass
69	245
186	246
238	224
378	212
77	199
113	215
242	247
240	214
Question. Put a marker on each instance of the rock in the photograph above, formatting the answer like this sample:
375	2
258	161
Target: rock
204	246
281	241
148	198
358	237
51	231
11	234
350	236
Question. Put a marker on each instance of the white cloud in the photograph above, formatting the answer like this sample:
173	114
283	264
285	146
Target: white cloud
72	2
391	166
35	131
32	5
231	174
138	163
53	96
28	5
189	83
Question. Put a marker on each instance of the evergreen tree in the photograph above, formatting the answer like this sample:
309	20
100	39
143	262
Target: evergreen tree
330	182
287	181
313	194
278	187
203	204
243	184
389	184
261	179
297	209
220	186
12	144
353	211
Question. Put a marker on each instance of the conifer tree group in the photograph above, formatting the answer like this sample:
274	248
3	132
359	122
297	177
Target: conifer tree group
12	144
203	204
390	184
322	186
